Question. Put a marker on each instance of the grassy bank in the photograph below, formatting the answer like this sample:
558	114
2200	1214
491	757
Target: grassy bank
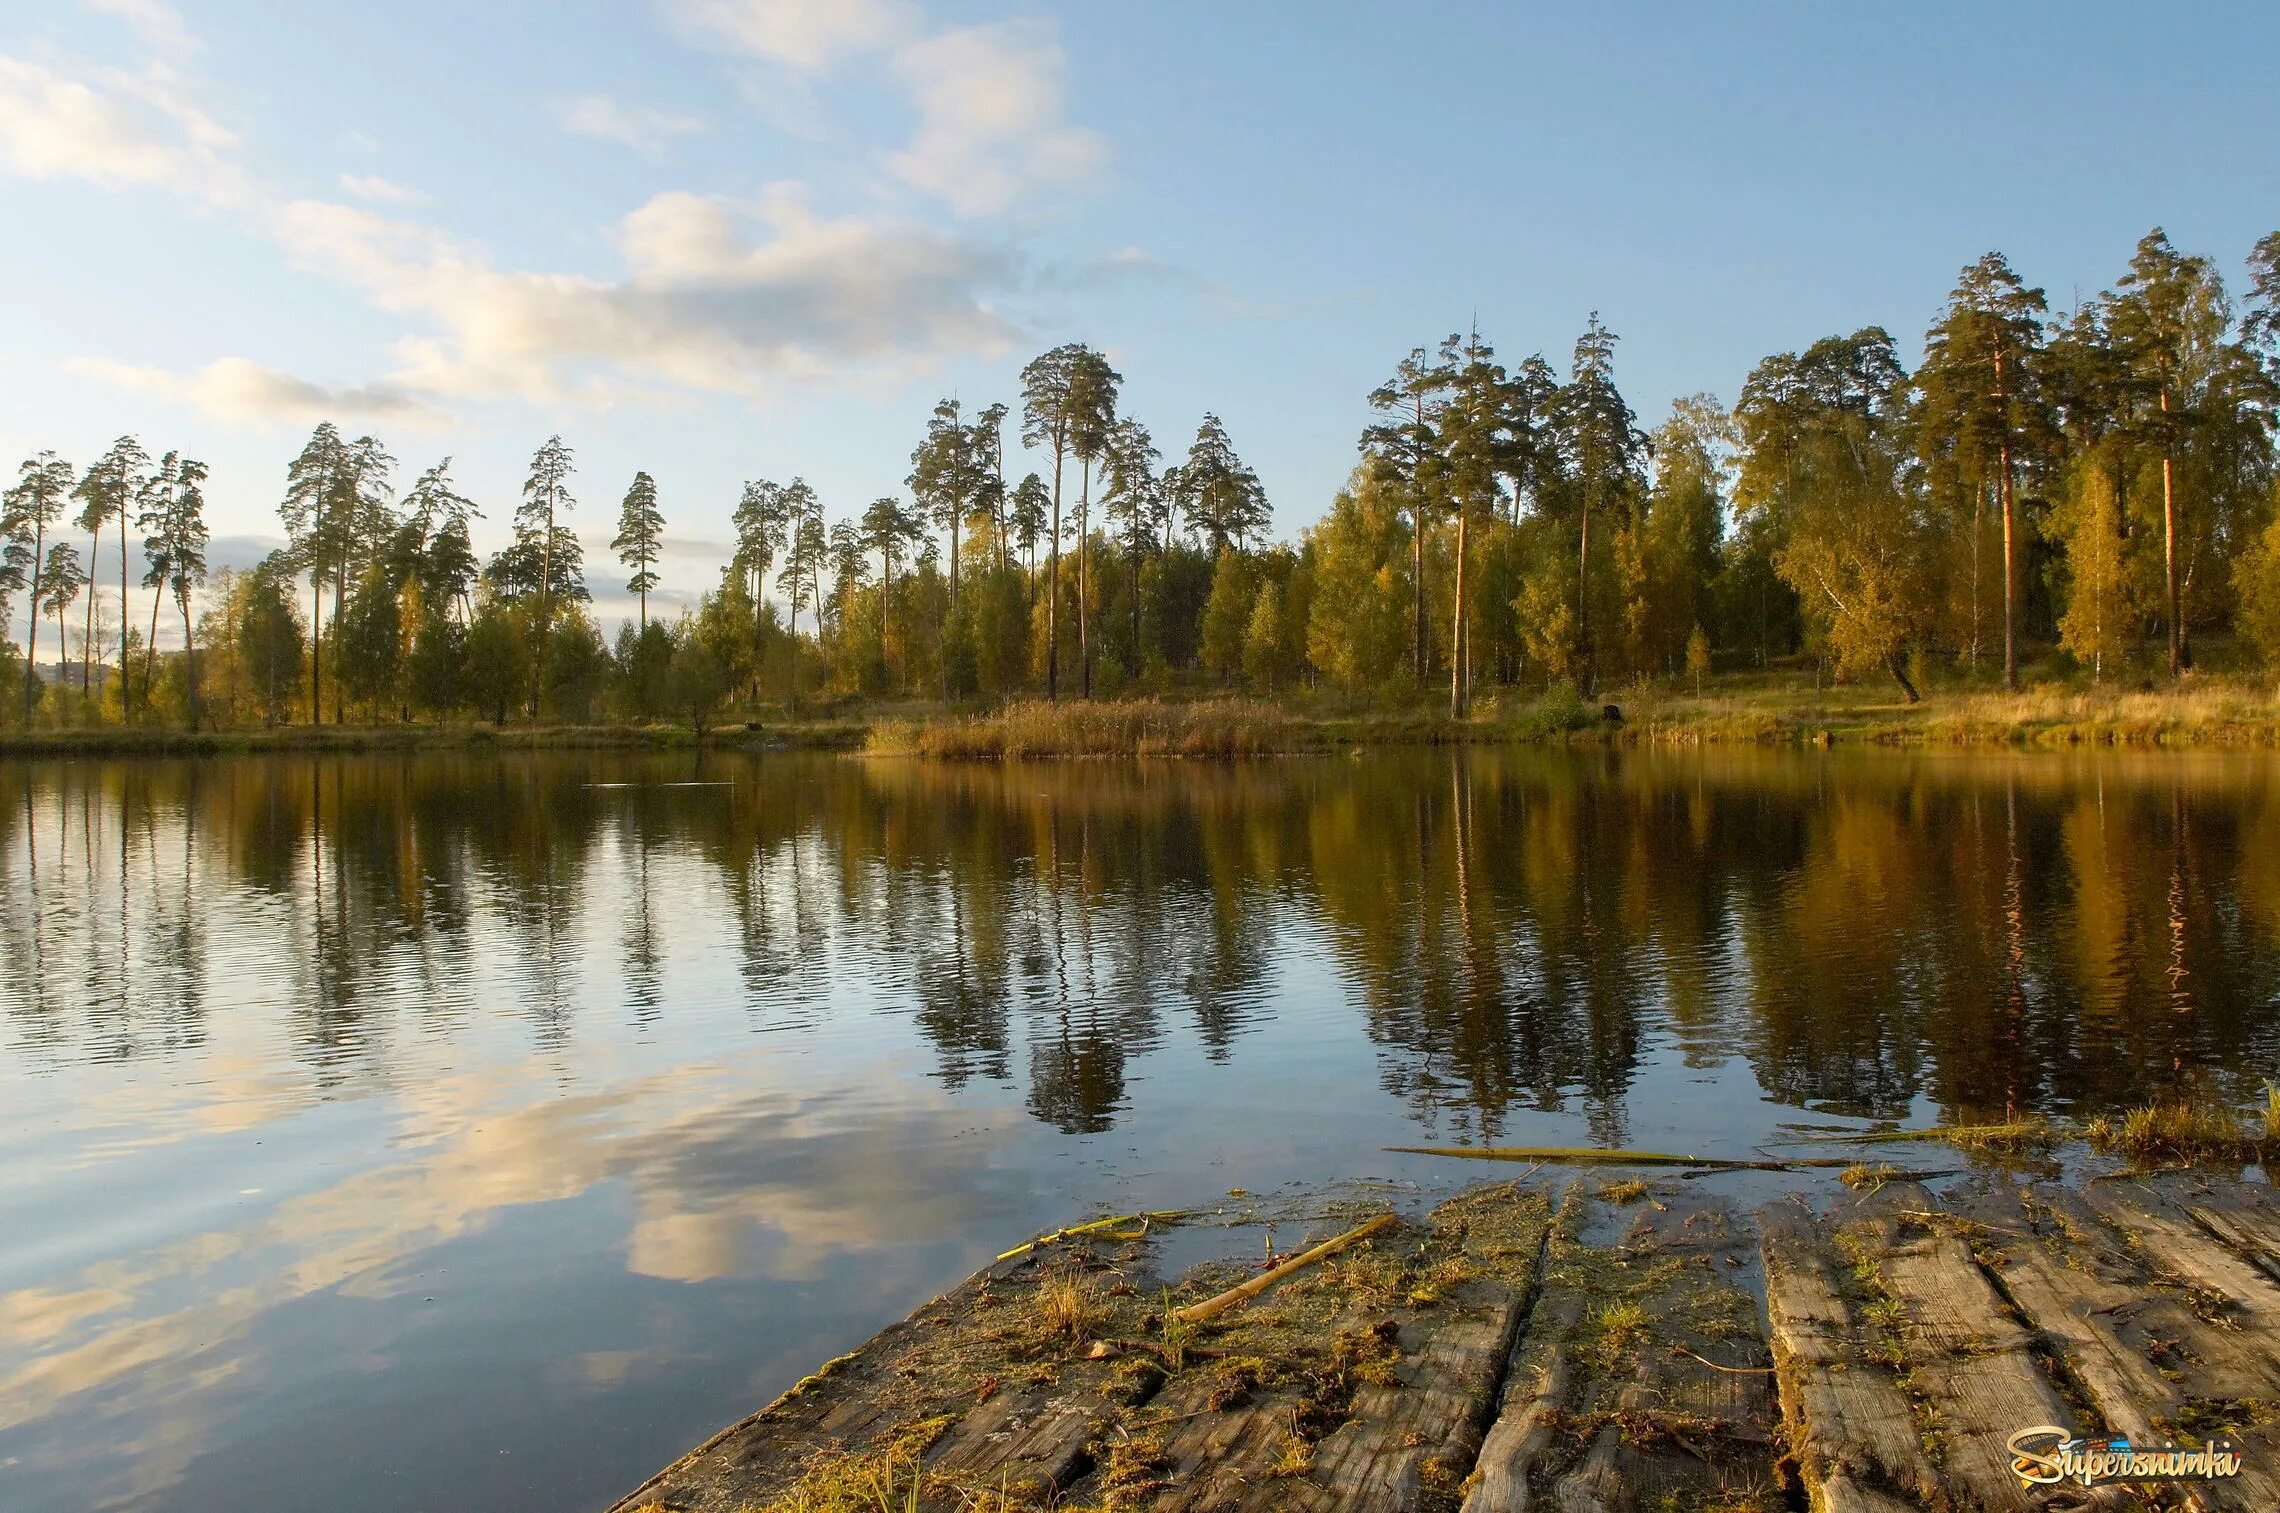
826	735
1781	707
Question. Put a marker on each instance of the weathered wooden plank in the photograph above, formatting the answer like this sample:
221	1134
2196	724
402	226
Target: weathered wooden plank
1421	1432
1529	1411
2143	1359
1685	1408
1970	1368
1850	1427
1033	1441
2178	1247
1230	1459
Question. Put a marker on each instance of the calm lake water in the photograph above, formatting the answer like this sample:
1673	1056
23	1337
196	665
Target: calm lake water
478	1132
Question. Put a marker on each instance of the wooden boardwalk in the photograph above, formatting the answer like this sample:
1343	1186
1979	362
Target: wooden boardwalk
1570	1347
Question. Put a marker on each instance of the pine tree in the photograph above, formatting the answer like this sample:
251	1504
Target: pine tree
106	492
2167	316
60	582
546	497
806	545
173	523
1404	441
1049	395
1981	391
640	530
26	511
1603	449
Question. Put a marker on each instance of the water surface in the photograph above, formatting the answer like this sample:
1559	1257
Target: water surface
466	1131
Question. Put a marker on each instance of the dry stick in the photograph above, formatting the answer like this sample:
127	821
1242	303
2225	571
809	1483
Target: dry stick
1197	1312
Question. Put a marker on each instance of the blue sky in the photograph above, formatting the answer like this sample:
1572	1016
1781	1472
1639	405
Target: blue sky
725	239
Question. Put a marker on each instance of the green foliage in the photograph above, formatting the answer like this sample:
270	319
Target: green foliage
1227	615
1507	526
2256	582
497	677
368	642
695	680
2095	629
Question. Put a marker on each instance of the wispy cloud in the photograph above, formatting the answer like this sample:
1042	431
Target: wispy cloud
370	186
641	127
116	128
799	34
241	391
157	24
990	104
990	101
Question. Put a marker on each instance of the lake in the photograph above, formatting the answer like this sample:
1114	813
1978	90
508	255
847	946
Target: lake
482	1130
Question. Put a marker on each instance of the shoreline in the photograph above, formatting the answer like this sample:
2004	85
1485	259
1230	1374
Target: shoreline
1655	1340
2217	714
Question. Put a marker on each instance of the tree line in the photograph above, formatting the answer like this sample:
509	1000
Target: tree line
2098	483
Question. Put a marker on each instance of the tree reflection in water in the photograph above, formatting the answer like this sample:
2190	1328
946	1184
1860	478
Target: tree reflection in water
1513	931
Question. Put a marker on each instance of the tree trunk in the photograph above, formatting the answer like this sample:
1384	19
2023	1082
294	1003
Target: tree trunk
1583	595
2010	578
1084	577
87	637
316	649
1978	523
150	650
2169	552
1417	580
1053	590
1138	555
32	621
1899	670
189	658
126	704
1457	668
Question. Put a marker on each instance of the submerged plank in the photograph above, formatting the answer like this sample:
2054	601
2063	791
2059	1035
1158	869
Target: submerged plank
1851	1430
1686	1401
1643	1376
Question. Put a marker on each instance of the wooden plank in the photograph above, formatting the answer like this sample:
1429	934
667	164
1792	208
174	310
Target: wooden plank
2143	1359
2178	1247
1530	1410
1421	1433
1032	1442
1229	1460
1686	1411
1970	1367
1851	1430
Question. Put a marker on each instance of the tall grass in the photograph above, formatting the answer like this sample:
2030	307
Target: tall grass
1140	727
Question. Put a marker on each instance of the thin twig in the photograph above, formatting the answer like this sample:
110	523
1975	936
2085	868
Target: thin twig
1729	1370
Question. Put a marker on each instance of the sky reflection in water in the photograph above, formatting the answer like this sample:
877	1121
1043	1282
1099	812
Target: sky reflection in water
380	1133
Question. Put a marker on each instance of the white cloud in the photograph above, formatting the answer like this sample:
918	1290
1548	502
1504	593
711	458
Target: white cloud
990	101
370	186
800	34
241	391
641	127
115	129
718	297
157	24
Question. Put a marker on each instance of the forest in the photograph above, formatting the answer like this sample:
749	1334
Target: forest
2078	498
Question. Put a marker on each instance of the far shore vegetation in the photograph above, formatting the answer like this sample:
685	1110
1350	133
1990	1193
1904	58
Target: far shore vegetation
2060	527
